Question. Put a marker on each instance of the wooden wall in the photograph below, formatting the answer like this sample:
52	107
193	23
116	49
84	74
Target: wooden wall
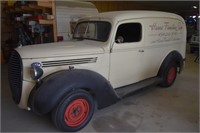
104	6
7	30
7	25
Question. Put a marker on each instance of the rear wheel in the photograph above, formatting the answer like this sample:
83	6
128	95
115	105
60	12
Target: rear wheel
169	75
74	112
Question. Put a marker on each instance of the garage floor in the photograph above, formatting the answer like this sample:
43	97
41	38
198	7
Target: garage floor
152	109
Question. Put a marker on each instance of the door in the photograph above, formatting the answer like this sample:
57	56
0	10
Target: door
127	54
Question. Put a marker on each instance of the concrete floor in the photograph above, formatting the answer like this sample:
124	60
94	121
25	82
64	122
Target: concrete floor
152	109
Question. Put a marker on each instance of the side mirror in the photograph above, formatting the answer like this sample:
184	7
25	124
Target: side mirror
119	39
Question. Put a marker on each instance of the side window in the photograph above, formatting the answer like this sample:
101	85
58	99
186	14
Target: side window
129	32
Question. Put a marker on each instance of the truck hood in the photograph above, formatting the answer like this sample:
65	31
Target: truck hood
60	49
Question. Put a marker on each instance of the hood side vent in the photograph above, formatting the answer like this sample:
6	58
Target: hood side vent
68	62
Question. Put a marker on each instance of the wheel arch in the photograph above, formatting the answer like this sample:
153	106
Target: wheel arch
173	56
53	88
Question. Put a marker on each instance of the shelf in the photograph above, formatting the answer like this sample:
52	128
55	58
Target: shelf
40	5
47	4
19	10
34	6
43	21
37	7
26	8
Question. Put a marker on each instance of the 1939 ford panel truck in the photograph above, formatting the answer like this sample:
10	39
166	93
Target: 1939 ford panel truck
107	52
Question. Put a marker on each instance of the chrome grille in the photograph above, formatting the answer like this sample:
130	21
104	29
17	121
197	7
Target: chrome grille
15	76
68	62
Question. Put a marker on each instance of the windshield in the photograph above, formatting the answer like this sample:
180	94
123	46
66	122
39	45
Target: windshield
92	30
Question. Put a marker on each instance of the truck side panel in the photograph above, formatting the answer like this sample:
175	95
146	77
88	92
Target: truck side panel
162	35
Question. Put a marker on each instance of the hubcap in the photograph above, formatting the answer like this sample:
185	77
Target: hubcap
171	75
76	112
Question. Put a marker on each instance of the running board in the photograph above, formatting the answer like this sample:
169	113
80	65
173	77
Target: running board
123	91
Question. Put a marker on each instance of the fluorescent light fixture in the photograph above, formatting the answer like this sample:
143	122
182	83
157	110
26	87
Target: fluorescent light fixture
198	16
195	7
193	16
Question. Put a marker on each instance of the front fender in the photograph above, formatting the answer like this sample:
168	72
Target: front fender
53	88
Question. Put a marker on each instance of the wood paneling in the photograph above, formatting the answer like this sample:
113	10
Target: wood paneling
7	26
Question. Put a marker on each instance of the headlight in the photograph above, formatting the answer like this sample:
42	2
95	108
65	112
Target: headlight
36	71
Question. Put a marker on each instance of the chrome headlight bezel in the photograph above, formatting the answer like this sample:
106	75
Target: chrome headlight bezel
36	71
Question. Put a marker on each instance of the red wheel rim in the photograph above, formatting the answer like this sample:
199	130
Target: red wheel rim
76	112
171	75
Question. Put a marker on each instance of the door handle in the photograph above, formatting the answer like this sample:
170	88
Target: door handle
141	50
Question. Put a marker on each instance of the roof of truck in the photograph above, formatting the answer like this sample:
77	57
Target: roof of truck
123	15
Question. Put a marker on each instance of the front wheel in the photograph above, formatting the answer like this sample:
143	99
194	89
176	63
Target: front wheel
74	112
169	75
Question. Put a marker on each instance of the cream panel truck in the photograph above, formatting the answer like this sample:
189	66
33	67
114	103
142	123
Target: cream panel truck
108	52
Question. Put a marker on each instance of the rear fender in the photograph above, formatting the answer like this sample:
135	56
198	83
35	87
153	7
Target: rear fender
173	56
53	88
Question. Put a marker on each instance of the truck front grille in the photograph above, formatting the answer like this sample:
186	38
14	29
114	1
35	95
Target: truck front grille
15	76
